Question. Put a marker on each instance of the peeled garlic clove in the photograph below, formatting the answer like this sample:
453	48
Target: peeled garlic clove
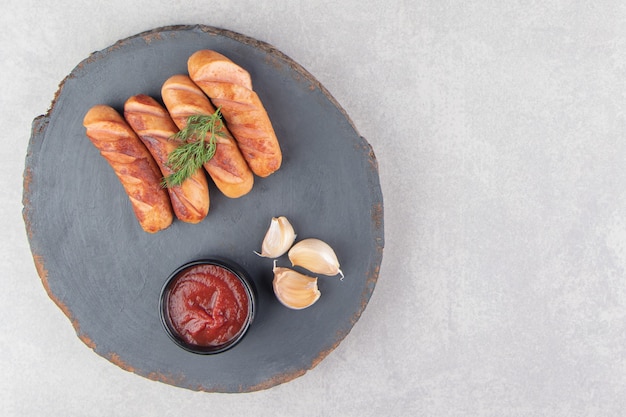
293	289
316	256
278	239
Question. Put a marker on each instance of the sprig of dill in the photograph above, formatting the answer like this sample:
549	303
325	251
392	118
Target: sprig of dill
198	143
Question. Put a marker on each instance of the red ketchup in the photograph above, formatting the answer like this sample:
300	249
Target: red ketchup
208	305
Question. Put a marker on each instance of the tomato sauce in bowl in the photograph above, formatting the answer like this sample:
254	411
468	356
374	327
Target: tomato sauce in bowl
207	305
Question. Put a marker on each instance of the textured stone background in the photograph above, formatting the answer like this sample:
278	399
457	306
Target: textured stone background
499	130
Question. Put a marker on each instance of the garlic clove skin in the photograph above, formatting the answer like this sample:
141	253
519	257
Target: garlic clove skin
278	239
293	289
316	256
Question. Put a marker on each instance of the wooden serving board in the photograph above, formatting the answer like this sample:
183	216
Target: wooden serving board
105	273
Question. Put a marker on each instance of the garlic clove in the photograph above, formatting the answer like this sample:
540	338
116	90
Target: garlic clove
293	289
316	256
278	239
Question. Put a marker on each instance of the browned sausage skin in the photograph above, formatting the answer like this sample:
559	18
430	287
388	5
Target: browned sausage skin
230	88
154	126
133	164
227	168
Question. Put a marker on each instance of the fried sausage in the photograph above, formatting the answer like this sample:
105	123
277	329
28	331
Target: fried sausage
227	168
229	87
133	165
154	126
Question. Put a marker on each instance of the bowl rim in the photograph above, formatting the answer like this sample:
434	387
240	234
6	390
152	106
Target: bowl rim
230	266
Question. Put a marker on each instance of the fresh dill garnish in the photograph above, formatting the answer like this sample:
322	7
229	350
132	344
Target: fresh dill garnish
198	143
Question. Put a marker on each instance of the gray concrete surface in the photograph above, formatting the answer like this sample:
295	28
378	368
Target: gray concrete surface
499	131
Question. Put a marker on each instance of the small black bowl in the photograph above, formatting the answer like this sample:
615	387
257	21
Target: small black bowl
170	329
